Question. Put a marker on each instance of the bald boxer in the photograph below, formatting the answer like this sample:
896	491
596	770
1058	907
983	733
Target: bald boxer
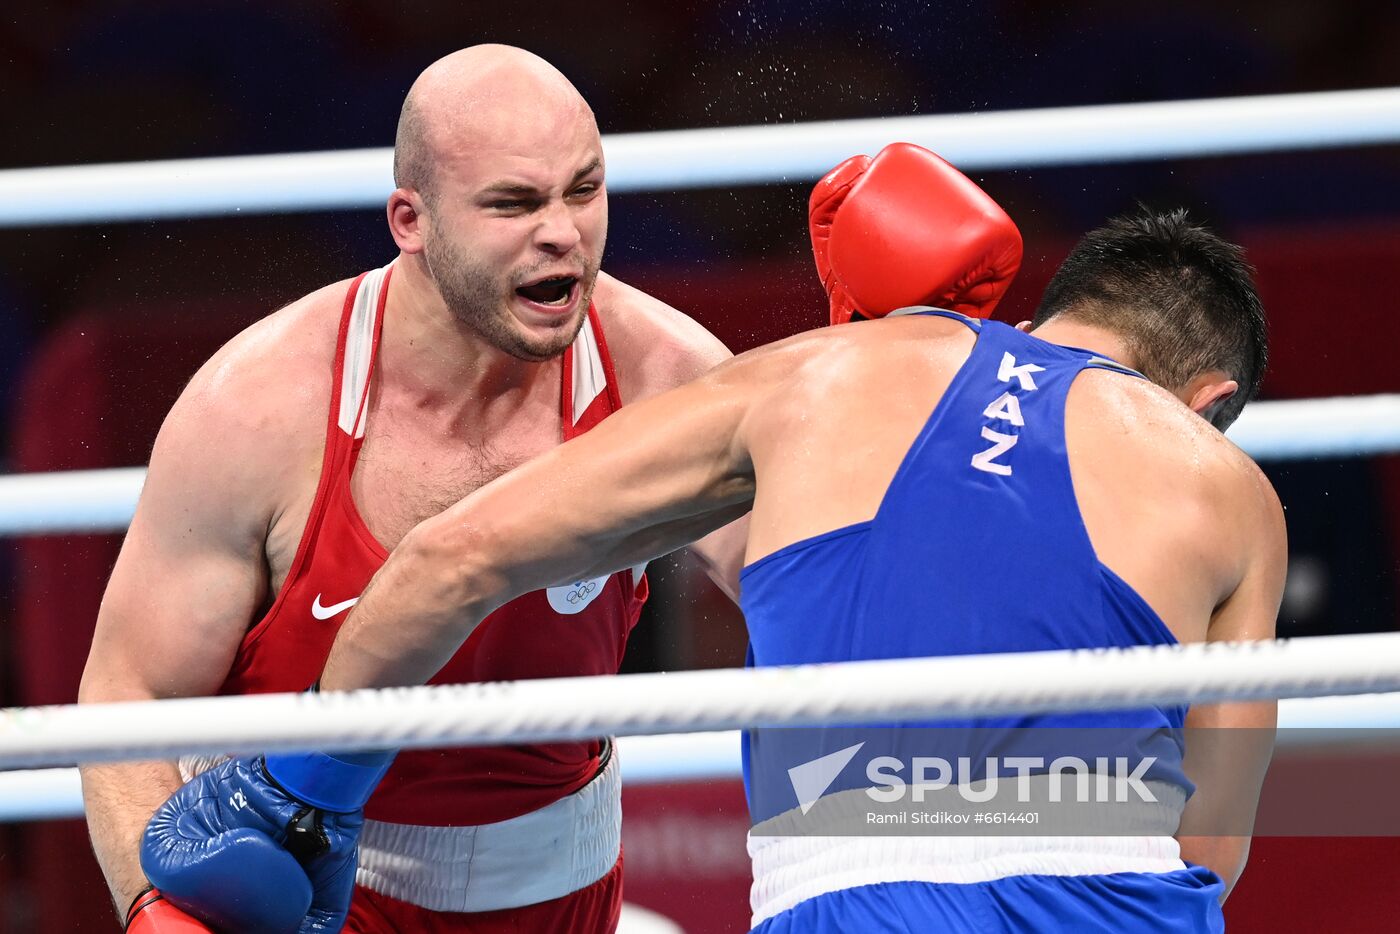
305	450
925	484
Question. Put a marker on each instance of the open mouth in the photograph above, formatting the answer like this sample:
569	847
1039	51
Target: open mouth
555	291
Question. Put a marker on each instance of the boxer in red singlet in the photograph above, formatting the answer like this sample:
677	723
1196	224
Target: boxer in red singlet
304	450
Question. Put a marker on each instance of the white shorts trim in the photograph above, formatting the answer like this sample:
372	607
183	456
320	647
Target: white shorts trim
536	857
790	867
795	869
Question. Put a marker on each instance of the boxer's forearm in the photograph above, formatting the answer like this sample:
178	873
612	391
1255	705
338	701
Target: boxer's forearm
1228	748
415	613
455	569
119	800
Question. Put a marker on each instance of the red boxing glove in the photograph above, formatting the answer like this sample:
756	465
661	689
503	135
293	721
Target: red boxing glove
906	228
152	914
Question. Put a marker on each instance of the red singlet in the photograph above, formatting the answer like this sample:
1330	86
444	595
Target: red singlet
580	629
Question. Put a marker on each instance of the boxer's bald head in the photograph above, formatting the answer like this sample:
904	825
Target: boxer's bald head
500	199
479	98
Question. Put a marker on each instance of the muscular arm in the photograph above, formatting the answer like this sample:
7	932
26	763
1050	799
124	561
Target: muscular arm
650	479
189	578
662	349
1229	745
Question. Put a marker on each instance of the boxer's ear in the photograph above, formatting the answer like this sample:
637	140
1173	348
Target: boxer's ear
1207	394
406	213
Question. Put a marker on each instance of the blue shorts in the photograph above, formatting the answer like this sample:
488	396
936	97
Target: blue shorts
1187	900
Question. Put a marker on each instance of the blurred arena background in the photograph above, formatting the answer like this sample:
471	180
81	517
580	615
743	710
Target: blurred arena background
103	323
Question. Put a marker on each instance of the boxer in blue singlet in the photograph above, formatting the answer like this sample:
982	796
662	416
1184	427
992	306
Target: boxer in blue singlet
930	484
967	554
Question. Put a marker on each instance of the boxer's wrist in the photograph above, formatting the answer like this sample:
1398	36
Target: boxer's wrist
150	913
143	900
340	783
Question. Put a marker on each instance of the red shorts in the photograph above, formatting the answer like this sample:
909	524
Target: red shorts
591	910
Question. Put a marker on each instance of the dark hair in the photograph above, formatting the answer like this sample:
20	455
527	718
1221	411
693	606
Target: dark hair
1181	297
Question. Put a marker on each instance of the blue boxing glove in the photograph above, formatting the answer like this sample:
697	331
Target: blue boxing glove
264	845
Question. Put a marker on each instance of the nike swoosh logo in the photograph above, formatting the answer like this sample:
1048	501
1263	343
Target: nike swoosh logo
326	612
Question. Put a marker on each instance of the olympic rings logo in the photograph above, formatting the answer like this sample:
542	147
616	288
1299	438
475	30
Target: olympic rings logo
583	590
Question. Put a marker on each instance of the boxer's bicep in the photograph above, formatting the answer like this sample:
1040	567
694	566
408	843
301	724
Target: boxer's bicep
1229	745
181	596
669	349
189	577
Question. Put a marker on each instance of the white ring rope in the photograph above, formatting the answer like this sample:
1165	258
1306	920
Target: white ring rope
697	701
1341	426
69	500
746	155
104	500
1304	722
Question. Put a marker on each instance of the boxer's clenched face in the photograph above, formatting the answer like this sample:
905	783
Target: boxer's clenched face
516	225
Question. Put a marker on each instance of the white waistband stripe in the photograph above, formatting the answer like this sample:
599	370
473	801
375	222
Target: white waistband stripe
789	870
536	857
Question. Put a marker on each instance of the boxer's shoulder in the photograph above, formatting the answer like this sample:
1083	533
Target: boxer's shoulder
1156	445
895	360
654	346
1139	415
253	418
301	334
282	363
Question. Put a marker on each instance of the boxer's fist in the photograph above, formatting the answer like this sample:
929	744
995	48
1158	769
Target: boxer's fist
243	850
906	228
152	914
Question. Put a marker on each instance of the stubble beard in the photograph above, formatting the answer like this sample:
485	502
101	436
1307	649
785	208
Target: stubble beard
473	294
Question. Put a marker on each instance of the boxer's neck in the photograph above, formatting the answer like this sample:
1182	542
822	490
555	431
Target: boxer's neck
430	351
1068	332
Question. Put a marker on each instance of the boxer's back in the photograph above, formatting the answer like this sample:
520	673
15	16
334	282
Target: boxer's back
1152	484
